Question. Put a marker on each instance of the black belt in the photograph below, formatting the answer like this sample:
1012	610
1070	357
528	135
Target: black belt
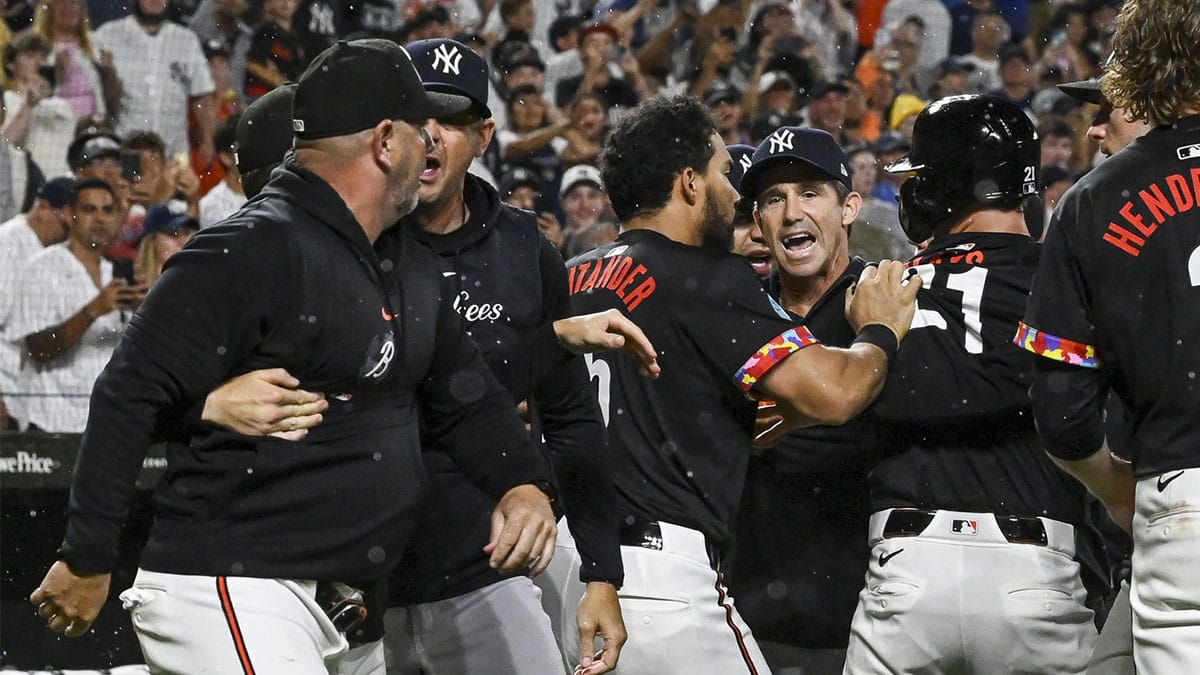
1016	529
648	534
343	605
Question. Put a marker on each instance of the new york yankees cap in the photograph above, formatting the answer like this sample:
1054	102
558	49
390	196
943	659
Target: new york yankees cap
742	155
454	75
355	85
264	131
797	145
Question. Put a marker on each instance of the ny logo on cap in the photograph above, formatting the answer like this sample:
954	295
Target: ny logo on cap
781	140
744	160
446	59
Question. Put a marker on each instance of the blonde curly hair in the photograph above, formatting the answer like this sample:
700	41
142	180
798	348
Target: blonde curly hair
1155	74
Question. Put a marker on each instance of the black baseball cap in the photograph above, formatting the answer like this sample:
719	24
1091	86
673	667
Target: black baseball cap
953	65
519	176
1087	91
823	87
90	147
454	75
57	191
264	132
721	92
742	155
797	145
515	54
355	85
169	218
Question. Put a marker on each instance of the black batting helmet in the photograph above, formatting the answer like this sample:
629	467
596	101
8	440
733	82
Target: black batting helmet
967	152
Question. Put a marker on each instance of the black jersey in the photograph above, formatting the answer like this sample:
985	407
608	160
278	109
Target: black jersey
1117	292
955	415
679	444
802	527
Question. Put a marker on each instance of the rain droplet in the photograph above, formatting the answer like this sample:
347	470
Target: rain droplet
376	554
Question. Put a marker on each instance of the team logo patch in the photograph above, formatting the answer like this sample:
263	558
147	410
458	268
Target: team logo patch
1188	151
969	527
446	59
781	140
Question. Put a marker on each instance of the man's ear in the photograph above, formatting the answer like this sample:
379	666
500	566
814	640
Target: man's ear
687	185
383	136
851	207
485	136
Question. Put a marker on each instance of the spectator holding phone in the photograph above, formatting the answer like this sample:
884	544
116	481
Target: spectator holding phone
36	119
599	46
69	310
152	179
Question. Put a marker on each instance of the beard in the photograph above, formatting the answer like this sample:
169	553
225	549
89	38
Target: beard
716	231
152	20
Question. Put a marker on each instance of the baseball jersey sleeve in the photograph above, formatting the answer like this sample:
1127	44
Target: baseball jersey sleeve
574	434
1069	383
177	348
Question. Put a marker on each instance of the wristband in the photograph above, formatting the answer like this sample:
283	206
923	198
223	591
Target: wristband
879	335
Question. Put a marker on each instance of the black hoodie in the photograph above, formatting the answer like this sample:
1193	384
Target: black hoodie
289	281
509	284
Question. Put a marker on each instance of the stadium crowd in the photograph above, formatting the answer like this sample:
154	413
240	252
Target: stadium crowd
119	129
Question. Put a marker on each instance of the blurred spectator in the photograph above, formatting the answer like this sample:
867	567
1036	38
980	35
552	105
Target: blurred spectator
228	103
20	238
221	20
876	233
904	112
890	147
1058	140
227	196
17	14
276	54
894	59
96	155
70	311
157	178
826	109
935	19
517	17
763	125
20	177
989	33
86	79
564	61
164	73
1016	77
318	24
588	237
521	187
1067	44
777	93
582	197
1055	181
725	102
519	65
429	22
854	127
37	120
1102	24
950	78
165	230
587	130
833	33
599	47
962	22
533	137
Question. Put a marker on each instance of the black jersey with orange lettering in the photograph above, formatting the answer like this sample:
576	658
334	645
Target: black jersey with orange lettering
679	444
955	416
1116	299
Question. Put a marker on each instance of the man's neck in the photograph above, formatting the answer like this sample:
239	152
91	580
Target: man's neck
670	222
151	28
992	220
89	256
233	182
444	216
799	294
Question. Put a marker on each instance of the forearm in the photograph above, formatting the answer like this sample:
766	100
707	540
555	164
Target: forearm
47	345
17	130
532	142
827	385
1109	479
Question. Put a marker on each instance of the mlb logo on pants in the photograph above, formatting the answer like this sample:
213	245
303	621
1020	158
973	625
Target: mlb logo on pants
965	527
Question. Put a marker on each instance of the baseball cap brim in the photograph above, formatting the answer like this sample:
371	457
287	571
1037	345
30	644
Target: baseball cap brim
452	104
1087	91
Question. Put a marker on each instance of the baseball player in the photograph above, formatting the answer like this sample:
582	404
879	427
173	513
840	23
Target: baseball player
1112	310
973	529
802	535
453	611
257	541
679	444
